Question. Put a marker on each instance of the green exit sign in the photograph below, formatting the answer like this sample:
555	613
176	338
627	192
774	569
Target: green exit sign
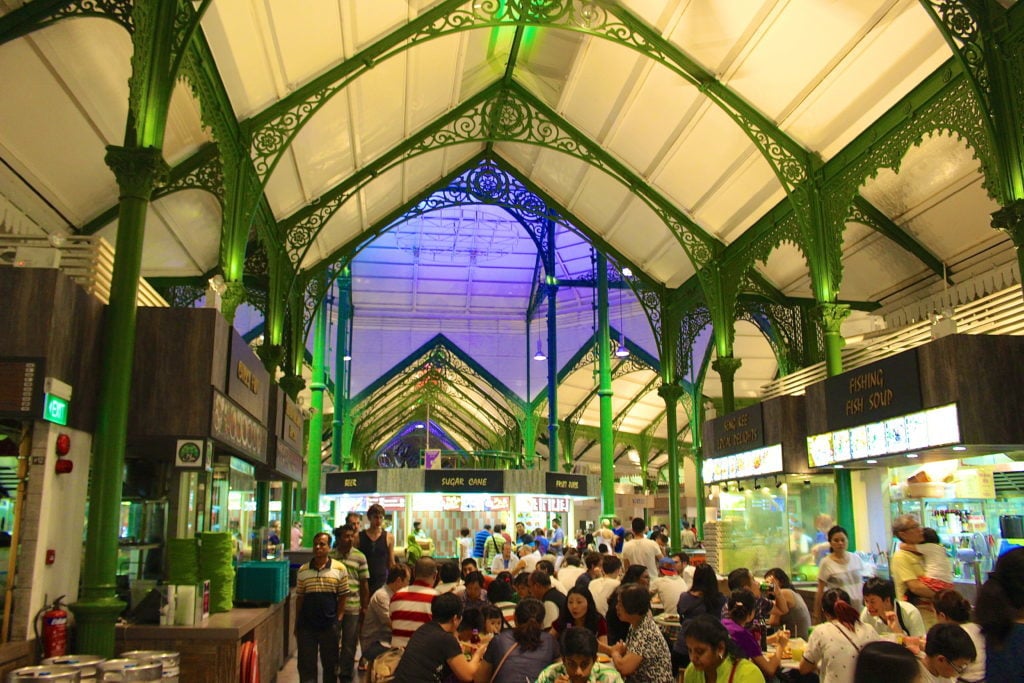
55	409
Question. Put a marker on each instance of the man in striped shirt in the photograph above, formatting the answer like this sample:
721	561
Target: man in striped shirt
358	597
321	589
410	607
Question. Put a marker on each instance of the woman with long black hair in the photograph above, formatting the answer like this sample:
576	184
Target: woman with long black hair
519	653
1000	611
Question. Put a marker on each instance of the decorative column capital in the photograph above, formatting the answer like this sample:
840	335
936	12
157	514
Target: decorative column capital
292	385
1011	219
231	299
832	316
671	393
138	170
272	355
726	366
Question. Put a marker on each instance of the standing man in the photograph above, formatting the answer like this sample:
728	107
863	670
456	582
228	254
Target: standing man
465	545
410	607
358	598
906	569
321	589
493	545
354	520
687	537
641	550
378	546
376	632
620	534
480	541
556	546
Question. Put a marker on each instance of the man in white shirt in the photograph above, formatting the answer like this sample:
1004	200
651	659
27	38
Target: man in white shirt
375	636
668	586
684	569
571	569
529	554
641	550
884	613
506	562
603	587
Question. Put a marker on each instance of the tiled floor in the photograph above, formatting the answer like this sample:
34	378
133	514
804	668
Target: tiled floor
290	674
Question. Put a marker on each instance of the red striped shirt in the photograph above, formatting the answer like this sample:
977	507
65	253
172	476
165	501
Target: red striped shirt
410	609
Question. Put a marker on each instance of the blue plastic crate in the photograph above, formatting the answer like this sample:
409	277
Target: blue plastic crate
261	582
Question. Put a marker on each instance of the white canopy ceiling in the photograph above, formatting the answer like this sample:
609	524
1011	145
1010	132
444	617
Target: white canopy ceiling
822	71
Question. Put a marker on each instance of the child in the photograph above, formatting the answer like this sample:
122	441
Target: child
938	571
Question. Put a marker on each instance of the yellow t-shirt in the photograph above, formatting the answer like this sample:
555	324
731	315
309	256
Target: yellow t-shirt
746	672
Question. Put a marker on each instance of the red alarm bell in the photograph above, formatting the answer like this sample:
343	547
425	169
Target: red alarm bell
63	444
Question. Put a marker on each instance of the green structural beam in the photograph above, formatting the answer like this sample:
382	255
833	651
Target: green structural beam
605	392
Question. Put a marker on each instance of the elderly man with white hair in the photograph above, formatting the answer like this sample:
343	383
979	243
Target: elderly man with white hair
906	568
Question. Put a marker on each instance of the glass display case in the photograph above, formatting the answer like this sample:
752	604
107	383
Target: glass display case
143	527
964	527
233	505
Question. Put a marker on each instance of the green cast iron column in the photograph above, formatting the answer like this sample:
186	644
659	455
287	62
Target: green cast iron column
832	317
262	520
726	367
312	523
138	171
287	495
341	369
1011	220
604	392
552	352
671	393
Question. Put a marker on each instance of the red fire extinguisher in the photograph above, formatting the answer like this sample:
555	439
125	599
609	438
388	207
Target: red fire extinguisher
55	630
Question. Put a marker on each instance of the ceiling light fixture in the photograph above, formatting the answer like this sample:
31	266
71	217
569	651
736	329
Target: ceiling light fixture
539	355
347	356
912	455
959	448
872	461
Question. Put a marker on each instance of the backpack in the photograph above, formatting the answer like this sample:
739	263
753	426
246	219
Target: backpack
383	668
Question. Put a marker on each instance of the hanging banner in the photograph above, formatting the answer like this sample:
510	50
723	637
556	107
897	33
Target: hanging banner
237	429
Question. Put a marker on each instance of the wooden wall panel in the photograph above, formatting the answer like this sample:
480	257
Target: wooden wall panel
985	375
28	296
174	369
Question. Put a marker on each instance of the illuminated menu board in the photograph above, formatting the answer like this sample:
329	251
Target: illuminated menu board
756	463
925	429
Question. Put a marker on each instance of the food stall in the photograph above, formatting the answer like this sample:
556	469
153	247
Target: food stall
444	501
925	422
197	438
762	494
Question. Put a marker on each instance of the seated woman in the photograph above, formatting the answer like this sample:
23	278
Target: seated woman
579	662
834	646
520	653
702	598
581	612
503	596
434	654
643	656
713	655
789	610
740	612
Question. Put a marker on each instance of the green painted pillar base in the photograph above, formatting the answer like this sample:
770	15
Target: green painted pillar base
94	625
312	524
844	505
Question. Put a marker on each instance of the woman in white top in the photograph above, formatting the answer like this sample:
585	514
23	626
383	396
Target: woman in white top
833	647
840	569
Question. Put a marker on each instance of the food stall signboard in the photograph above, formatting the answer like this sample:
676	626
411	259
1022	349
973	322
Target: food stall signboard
546	504
464	481
737	432
236	429
558	484
875	392
350	482
756	463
